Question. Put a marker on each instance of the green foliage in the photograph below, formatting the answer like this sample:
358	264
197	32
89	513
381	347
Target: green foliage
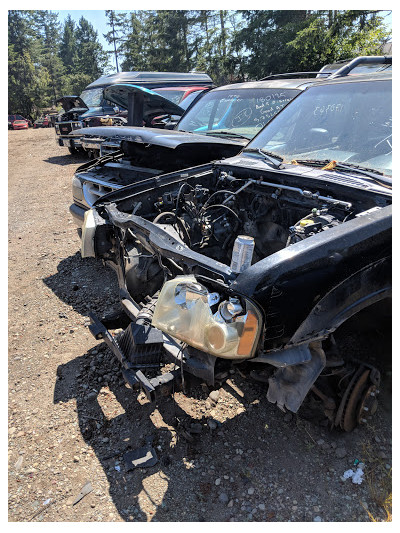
335	35
68	46
48	60
92	59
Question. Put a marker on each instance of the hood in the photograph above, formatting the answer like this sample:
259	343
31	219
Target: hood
154	104
157	136
71	102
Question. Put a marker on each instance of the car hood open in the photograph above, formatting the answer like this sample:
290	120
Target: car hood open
154	104
157	136
71	102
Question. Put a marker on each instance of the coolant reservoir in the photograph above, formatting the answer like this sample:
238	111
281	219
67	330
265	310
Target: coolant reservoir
242	253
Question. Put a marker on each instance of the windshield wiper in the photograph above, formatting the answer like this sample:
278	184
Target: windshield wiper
228	134
341	166
267	156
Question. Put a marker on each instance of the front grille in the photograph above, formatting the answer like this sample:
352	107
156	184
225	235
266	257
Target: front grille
93	191
65	128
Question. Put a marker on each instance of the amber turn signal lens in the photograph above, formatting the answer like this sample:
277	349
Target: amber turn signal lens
249	334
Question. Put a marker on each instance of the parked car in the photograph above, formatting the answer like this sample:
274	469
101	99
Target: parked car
218	125
13	118
42	122
20	125
271	259
92	103
189	99
145	105
365	67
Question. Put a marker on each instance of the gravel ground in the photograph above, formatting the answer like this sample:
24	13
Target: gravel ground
224	455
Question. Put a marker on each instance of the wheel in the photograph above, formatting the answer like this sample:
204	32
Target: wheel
72	149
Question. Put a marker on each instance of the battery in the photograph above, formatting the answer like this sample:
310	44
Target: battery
242	253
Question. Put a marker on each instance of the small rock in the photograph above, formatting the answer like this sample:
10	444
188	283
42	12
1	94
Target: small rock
250	491
288	417
230	504
218	481
261	506
214	395
340	453
76	459
317	519
195	428
212	424
223	497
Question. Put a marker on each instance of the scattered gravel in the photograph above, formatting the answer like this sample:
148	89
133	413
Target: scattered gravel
224	455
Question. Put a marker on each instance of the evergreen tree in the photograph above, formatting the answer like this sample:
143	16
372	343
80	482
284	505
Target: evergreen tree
48	31
68	46
92	60
118	25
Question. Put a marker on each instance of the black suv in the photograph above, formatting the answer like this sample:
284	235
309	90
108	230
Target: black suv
272	259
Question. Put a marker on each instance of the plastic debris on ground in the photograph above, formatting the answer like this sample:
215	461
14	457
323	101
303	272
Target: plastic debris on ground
355	475
84	490
142	457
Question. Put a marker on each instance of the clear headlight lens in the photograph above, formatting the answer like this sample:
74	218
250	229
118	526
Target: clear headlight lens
183	311
88	234
77	190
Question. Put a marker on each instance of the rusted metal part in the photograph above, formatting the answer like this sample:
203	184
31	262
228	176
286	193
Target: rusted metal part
329	403
359	400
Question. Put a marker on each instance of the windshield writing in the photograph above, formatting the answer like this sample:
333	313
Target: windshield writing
347	122
243	111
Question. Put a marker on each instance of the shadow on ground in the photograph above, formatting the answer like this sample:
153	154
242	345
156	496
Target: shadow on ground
166	424
67	159
85	284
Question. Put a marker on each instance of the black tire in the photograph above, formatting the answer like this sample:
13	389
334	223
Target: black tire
72	149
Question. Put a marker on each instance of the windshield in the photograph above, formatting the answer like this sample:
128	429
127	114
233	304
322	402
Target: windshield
189	99
173	96
93	97
238	111
345	122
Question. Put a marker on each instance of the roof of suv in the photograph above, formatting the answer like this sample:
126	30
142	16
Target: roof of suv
294	83
153	79
373	76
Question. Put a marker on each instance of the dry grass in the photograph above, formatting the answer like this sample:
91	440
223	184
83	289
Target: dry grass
379	480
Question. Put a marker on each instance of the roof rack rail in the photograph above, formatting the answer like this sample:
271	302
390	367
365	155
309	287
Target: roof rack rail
288	74
362	60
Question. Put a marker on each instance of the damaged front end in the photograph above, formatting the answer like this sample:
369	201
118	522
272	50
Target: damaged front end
178	245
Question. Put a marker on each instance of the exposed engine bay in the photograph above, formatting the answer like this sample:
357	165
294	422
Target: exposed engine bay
208	214
240	267
70	115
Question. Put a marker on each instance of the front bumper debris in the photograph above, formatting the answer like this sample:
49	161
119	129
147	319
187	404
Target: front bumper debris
143	345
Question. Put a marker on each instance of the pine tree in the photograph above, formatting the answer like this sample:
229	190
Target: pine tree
68	46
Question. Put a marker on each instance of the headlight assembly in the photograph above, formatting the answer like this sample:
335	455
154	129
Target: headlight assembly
77	191
183	311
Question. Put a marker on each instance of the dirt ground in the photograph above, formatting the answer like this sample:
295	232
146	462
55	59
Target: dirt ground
229	457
